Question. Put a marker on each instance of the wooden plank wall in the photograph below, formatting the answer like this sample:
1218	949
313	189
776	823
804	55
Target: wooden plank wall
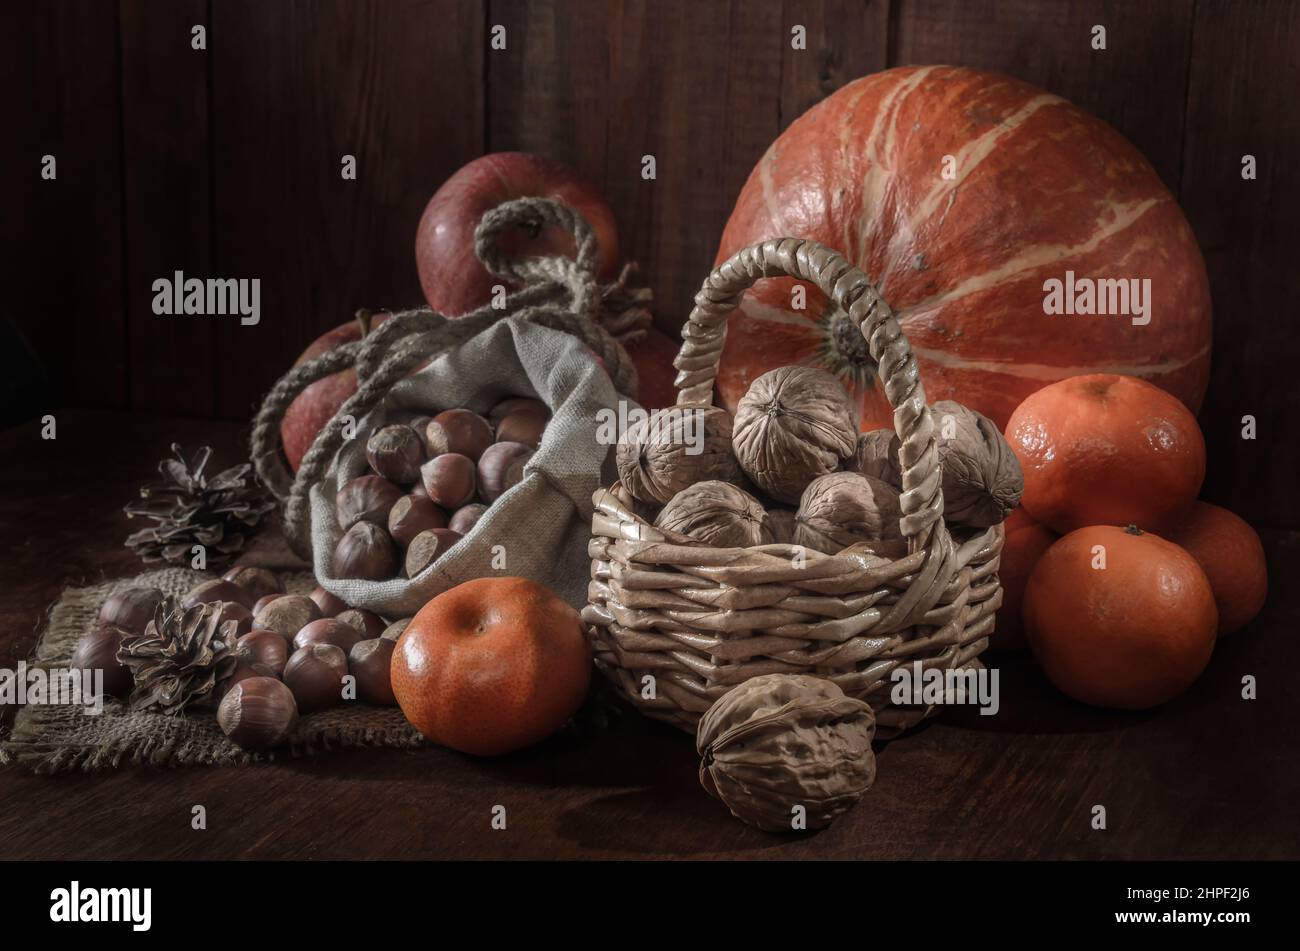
225	161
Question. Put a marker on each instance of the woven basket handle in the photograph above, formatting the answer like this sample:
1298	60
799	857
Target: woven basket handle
849	289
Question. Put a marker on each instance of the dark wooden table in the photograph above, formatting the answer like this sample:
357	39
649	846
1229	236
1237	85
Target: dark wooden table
1209	776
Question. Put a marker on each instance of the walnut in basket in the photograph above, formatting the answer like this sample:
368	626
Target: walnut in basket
848	508
717	513
982	480
877	456
674	448
779	742
794	424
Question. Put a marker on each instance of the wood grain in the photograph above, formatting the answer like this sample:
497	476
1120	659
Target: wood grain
166	182
1138	83
296	87
1208	776
600	86
62	239
1244	73
846	39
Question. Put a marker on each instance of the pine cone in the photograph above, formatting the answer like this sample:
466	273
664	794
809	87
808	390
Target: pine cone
181	659
190	510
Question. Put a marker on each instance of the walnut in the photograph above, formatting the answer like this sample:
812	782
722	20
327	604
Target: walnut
674	448
877	456
781	523
982	480
794	424
717	513
846	508
780	741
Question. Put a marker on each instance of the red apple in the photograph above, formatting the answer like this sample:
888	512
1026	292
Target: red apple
653	356
454	280
316	405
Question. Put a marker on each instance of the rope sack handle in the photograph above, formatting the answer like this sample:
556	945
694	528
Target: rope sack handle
849	289
557	292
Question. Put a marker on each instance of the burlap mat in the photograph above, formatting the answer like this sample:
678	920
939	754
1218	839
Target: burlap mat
50	738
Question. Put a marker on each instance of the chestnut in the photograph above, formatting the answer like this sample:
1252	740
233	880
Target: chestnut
233	611
263	601
368	623
258	713
327	630
460	431
394	630
329	604
218	590
315	675
427	548
515	404
258	582
414	514
370	662
287	615
449	479
466	517
365	551
396	453
365	499
266	648
97	650
524	426
131	609
501	468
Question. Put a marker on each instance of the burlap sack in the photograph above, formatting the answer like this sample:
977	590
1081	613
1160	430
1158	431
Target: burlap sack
539	528
49	738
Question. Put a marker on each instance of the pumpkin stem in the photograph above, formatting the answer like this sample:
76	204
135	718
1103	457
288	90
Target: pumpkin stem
363	321
1133	530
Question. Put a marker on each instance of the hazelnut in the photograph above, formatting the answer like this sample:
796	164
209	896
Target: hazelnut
267	648
97	650
330	604
466	517
258	713
263	602
414	514
370	663
315	675
368	623
258	582
243	671
515	404
525	426
287	615
418	490
460	431
501	468
131	609
218	590
231	611
427	548
449	479
394	630
365	551
396	453
365	499
420	424
327	630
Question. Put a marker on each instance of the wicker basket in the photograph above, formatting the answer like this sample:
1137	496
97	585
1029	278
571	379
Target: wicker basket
699	619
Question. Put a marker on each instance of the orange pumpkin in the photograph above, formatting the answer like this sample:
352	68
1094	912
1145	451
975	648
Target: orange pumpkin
1118	617
961	193
1230	553
1104	449
492	665
1026	540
